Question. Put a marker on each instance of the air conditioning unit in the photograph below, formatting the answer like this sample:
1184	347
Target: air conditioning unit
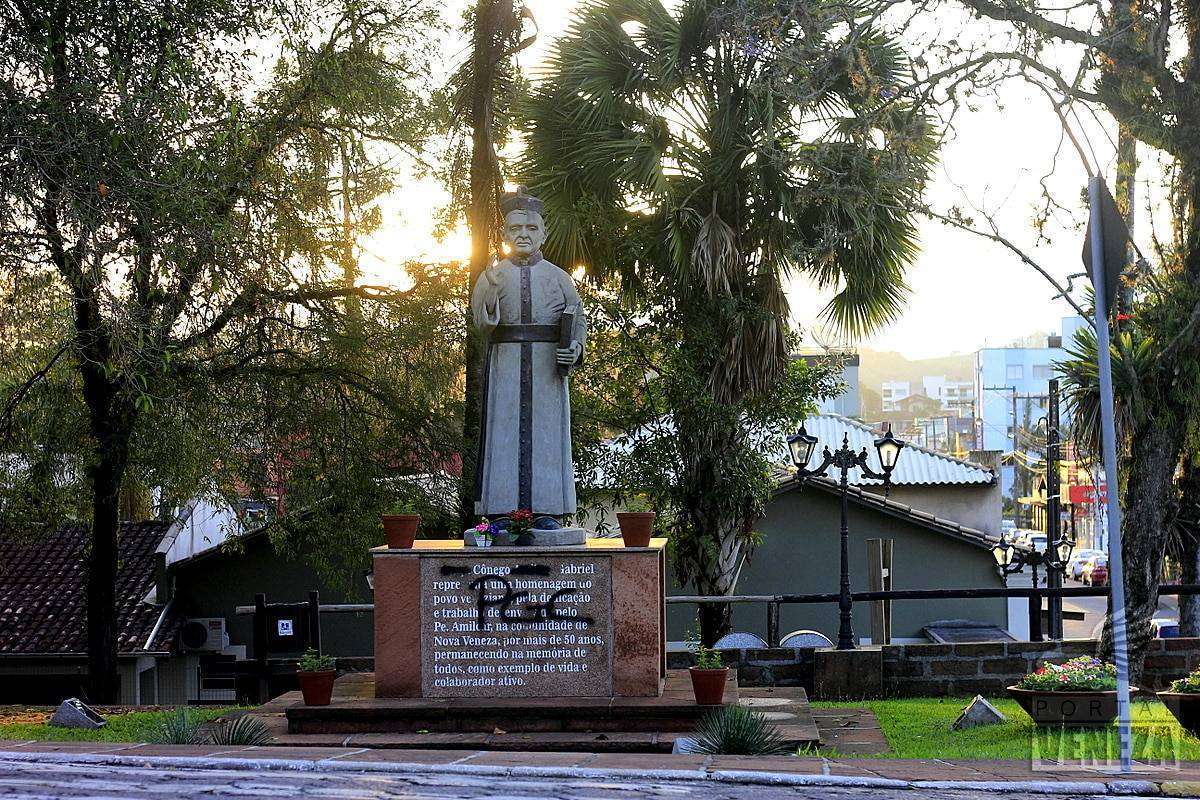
206	634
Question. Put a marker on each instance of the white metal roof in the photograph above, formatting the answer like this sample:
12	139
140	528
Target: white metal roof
917	466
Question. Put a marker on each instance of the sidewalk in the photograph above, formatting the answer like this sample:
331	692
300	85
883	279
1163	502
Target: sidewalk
881	773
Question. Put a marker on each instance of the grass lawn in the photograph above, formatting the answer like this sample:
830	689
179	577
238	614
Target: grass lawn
134	726
920	728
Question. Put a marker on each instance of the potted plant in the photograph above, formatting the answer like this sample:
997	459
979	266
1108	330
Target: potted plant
520	526
1081	692
400	526
708	676
636	523
485	534
1182	699
316	673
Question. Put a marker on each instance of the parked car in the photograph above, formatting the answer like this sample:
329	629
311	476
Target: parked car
1023	536
1036	541
1078	559
1095	571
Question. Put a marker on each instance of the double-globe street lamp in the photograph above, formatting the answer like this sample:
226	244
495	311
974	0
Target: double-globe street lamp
1011	559
802	445
1056	557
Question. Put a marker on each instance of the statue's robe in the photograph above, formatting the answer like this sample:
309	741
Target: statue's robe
524	456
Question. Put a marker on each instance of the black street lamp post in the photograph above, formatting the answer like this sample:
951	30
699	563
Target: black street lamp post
801	445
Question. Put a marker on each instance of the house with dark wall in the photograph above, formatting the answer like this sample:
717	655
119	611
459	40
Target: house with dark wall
800	553
215	582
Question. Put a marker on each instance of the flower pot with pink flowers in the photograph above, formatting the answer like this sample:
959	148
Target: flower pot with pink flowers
1081	692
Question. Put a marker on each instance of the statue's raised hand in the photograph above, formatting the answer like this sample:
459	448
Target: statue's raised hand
492	274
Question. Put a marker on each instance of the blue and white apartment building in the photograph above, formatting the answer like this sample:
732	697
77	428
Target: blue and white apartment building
1001	373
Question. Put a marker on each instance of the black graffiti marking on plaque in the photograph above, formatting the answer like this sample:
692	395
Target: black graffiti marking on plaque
448	569
534	612
530	569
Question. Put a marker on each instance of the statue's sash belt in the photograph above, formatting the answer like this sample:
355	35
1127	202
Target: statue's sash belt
524	333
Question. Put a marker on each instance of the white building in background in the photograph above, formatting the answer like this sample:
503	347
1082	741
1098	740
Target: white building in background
892	392
955	396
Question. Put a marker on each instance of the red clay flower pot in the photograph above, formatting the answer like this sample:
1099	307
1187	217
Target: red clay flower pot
1185	707
636	527
1078	709
317	687
400	529
709	685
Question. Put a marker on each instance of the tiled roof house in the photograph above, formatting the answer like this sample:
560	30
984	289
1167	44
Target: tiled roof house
43	605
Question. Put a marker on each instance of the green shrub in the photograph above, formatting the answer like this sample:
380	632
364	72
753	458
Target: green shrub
707	658
245	730
738	731
312	661
178	728
1188	684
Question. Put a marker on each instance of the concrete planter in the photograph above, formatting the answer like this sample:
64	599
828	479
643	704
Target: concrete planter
709	685
1079	709
636	527
317	687
1185	707
400	529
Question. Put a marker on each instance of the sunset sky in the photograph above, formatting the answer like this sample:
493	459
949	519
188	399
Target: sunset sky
966	292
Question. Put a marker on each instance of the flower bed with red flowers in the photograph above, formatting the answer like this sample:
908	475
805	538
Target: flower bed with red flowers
1083	674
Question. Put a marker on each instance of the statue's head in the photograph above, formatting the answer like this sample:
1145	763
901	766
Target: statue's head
524	229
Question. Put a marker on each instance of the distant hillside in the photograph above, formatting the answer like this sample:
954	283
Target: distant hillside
877	366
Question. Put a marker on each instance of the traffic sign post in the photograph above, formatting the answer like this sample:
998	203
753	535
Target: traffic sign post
1101	278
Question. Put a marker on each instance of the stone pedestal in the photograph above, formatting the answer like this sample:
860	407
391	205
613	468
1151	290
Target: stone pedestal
455	622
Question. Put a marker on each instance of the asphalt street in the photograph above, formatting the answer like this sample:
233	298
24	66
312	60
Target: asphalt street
42	781
1095	608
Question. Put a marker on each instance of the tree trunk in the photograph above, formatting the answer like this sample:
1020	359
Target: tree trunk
714	526
1187	528
1149	486
104	680
110	423
491	19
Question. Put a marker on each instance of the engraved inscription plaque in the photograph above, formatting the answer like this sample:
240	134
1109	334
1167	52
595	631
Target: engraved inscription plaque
513	626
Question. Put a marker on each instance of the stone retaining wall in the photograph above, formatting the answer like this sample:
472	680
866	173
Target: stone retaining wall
924	670
930	670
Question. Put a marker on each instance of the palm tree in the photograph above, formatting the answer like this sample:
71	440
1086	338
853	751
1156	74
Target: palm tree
1155	401
702	156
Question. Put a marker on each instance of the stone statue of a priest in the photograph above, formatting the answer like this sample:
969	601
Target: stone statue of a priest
533	320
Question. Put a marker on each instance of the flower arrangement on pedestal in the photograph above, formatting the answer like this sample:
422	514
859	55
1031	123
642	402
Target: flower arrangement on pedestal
520	526
1082	691
485	533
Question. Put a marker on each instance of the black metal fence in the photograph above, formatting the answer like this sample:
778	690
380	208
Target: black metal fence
1035	597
